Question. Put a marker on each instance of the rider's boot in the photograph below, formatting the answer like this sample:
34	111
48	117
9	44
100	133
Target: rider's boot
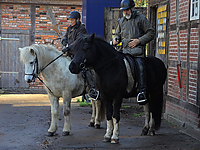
93	93
141	97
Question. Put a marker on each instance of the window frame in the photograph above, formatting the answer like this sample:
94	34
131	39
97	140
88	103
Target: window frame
191	9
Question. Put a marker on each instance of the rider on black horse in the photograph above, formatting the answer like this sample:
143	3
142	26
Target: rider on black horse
74	31
135	31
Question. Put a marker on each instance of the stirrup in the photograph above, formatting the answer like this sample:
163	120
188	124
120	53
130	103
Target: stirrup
142	100
94	98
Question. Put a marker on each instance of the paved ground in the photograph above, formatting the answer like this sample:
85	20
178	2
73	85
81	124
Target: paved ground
25	118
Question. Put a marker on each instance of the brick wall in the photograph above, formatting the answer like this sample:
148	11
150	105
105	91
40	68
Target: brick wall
181	111
183	11
18	17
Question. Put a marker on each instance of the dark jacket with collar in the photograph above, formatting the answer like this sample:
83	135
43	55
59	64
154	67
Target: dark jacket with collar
74	32
137	27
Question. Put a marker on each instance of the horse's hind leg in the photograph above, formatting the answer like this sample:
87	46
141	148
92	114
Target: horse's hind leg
54	115
67	114
152	125
147	118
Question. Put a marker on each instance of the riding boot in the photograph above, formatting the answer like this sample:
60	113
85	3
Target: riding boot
141	97
93	93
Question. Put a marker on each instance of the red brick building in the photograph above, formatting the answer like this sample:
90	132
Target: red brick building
31	22
177	44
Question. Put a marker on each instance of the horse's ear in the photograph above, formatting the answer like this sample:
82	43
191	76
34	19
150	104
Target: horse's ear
91	38
32	51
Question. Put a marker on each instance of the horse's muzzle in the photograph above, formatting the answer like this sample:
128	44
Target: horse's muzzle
74	67
29	78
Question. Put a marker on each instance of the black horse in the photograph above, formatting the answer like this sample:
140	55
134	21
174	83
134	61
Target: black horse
116	81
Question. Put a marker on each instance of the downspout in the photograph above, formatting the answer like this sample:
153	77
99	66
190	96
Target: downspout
178	49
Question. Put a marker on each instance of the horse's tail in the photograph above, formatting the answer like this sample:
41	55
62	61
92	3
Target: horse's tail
102	111
156	107
156	94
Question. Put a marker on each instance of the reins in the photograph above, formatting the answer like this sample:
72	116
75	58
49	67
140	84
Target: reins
50	63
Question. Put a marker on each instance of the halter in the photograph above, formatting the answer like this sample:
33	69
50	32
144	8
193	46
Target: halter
35	75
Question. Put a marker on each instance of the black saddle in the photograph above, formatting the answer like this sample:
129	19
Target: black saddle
133	66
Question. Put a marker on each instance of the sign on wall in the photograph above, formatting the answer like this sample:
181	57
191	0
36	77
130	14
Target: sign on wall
161	28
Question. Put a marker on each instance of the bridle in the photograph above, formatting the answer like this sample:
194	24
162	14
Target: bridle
35	69
83	63
35	72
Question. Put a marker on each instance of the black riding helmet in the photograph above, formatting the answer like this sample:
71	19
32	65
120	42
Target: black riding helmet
74	14
126	4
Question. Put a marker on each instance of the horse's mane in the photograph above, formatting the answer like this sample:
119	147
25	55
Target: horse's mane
40	50
97	40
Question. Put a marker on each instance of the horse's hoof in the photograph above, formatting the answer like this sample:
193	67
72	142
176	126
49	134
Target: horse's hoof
91	124
152	132
65	133
144	131
50	134
97	126
114	141
106	140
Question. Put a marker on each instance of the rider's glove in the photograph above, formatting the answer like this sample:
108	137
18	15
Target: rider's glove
66	49
64	41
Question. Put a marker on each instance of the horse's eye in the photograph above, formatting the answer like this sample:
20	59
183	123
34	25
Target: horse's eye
31	62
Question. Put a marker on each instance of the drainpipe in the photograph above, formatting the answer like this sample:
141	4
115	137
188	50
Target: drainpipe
178	49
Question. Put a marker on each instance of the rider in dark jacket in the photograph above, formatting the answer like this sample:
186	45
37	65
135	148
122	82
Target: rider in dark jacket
135	31
74	31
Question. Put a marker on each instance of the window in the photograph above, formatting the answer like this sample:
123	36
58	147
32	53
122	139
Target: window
194	14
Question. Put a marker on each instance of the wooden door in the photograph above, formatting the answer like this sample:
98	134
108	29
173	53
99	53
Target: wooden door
12	69
110	20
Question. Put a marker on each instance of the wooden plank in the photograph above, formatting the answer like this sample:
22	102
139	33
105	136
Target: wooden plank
32	30
13	31
45	2
198	73
188	56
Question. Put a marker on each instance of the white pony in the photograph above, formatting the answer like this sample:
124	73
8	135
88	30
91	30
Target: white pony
60	82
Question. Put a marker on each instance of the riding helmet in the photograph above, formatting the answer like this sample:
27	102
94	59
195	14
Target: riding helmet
126	4
74	14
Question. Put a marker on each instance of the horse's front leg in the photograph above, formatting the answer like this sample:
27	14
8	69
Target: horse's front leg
92	120
109	130
116	119
147	118
54	114
98	114
67	113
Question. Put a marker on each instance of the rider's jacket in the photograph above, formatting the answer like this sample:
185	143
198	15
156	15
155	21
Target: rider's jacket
74	32
137	27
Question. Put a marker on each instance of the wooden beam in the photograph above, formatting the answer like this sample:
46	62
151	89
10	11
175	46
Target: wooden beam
32	31
45	2
198	72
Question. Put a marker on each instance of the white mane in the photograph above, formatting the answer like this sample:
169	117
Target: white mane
40	50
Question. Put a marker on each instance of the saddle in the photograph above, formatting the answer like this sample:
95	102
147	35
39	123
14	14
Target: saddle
133	66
